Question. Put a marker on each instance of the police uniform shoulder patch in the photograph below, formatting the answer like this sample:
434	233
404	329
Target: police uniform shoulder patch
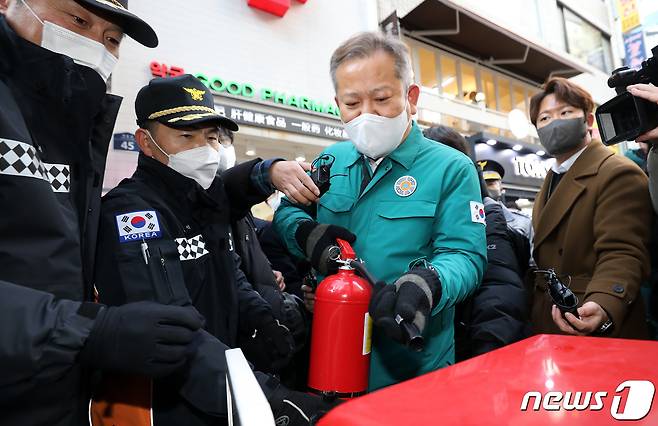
138	226
477	212
191	248
405	186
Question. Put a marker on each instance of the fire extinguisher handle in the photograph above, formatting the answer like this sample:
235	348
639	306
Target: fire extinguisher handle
346	250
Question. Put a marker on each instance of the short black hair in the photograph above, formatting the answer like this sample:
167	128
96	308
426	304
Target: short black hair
149	125
448	136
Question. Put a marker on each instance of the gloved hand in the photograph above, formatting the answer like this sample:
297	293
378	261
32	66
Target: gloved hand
412	297
298	409
316	239
143	337
272	346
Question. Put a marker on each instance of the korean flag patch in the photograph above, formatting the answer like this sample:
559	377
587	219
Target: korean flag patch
477	212
138	226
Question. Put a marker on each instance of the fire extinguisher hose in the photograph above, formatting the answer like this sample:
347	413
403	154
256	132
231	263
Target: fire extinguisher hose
414	340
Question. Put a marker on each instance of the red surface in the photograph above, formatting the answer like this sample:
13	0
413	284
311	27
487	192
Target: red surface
489	389
337	360
275	7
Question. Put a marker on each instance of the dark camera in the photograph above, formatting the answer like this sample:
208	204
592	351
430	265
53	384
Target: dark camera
562	296
625	117
321	172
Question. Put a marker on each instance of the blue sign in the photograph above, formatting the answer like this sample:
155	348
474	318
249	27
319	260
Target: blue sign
634	48
125	142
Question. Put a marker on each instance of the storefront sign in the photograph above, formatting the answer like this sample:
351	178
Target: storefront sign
281	122
634	48
629	14
125	142
247	90
530	167
523	170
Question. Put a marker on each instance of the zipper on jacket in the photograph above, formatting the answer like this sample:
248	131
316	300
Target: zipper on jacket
166	277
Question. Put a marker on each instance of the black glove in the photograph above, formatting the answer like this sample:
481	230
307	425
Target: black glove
412	297
143	338
271	347
316	239
298	409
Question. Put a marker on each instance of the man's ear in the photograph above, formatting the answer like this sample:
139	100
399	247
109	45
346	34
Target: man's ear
4	5
412	95
590	120
142	139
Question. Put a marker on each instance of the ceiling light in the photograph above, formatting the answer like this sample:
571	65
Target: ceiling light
541	153
300	158
492	142
250	152
517	147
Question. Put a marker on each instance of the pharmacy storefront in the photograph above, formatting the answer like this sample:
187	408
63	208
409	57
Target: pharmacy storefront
273	123
268	69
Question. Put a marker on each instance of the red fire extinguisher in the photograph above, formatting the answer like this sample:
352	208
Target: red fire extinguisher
342	330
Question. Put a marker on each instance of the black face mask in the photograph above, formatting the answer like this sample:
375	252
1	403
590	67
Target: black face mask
563	135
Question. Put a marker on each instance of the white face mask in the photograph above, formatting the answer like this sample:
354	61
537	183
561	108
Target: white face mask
81	49
200	163
226	157
376	136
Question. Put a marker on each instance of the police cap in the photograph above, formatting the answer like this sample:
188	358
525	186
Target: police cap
116	11
491	170
180	101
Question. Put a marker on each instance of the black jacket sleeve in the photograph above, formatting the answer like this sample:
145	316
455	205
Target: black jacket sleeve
241	189
496	315
253	308
293	270
40	337
204	383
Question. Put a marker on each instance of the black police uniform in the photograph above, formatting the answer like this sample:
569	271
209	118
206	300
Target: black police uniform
191	260
496	315
165	238
192	245
287	308
55	124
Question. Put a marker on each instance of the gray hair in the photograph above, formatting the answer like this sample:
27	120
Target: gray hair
363	45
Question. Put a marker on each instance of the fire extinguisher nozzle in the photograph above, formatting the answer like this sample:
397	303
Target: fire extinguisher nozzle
414	340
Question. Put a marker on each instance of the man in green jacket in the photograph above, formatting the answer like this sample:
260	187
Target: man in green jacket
411	206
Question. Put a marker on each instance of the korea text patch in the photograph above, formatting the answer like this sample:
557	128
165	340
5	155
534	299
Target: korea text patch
138	226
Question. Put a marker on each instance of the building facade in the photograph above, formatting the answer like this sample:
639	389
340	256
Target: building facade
479	62
270	73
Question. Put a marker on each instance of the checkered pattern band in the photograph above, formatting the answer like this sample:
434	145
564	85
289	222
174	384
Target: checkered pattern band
191	248
21	159
59	176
